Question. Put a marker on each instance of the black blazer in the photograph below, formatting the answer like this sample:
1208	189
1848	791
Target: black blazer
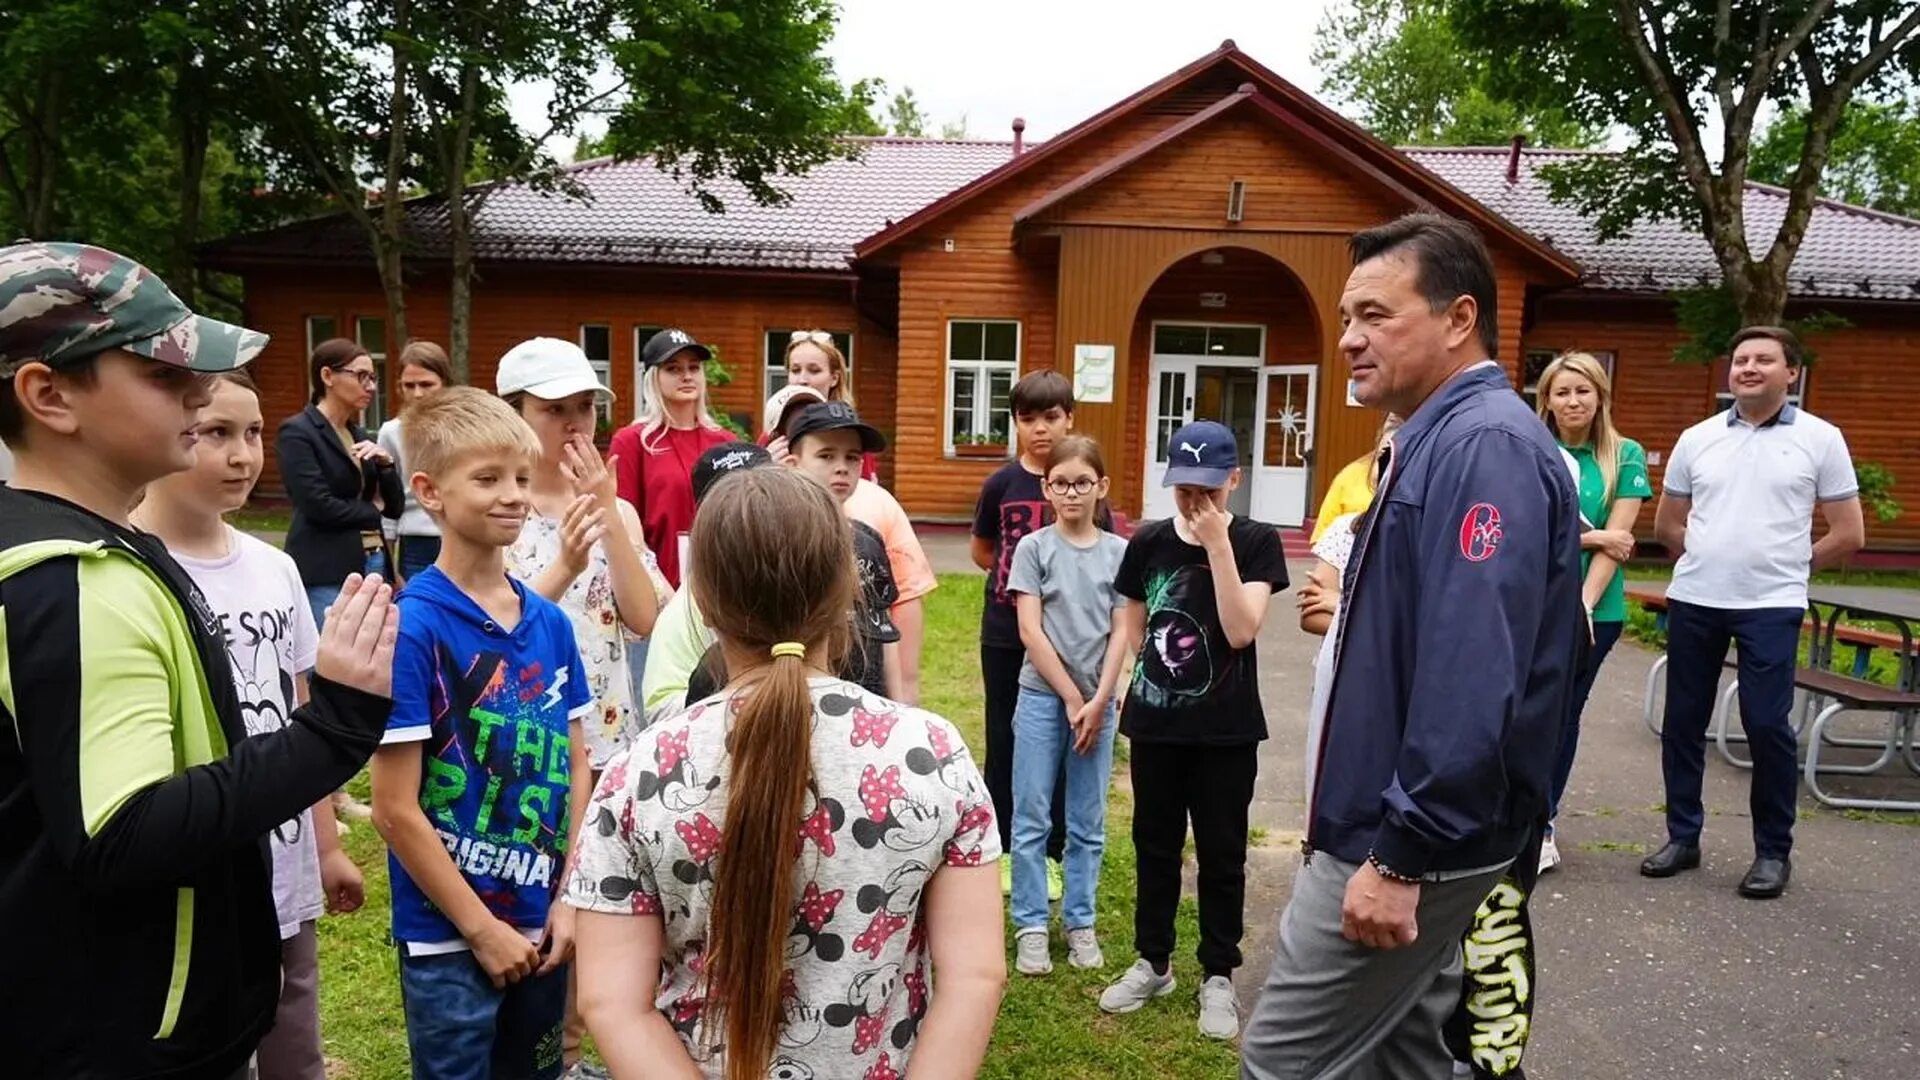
332	497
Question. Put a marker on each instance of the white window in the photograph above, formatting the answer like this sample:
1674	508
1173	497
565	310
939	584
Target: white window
1534	362
319	328
371	333
776	356
642	332
1723	397
983	359
596	340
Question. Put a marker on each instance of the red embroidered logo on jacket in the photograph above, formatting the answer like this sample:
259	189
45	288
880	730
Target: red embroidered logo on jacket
1480	533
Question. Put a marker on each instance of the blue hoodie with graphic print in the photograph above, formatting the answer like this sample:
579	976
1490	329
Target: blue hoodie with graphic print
492	707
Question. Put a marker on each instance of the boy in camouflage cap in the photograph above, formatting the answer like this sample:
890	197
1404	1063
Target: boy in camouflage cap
133	808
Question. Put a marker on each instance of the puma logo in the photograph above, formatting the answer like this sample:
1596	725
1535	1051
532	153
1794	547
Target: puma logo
1189	448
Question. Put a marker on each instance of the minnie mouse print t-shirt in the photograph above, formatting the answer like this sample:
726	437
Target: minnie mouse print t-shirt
896	796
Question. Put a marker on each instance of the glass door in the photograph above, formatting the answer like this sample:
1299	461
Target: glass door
1169	405
1283	446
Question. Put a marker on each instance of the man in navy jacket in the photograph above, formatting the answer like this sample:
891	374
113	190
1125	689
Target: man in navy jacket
1459	629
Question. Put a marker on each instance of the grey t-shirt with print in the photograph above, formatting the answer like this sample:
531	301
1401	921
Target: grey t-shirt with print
1075	587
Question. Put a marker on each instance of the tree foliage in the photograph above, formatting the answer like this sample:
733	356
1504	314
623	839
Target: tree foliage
1652	70
1875	160
904	116
1401	67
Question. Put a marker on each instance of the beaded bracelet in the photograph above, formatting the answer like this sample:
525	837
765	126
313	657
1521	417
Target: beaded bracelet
1391	875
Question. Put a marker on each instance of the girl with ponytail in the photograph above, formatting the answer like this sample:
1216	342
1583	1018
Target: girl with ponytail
770	881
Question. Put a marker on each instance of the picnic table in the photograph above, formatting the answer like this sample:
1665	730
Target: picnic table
1828	692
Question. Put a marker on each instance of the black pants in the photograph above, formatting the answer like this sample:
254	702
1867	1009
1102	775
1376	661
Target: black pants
1212	786
1000	671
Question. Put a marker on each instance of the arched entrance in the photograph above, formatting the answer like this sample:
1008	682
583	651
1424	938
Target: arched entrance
1229	334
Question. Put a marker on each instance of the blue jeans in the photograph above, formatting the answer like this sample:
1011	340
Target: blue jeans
321	597
416	553
460	1028
1768	642
1042	741
1605	636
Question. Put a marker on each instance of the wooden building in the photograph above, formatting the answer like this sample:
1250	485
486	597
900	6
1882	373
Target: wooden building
1185	246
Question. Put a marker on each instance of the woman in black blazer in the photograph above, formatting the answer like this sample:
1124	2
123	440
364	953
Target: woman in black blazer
341	482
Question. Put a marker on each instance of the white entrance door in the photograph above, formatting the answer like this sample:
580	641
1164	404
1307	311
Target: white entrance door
1169	405
1283	442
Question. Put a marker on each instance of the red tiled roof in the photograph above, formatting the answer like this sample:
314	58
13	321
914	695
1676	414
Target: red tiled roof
634	213
1849	252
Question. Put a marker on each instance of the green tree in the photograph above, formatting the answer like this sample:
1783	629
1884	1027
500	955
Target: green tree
1399	65
904	116
1875	157
1652	69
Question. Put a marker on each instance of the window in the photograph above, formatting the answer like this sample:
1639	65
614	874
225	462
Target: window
1723	397
596	340
319	328
1534	363
983	359
777	352
641	333
371	333
1178	339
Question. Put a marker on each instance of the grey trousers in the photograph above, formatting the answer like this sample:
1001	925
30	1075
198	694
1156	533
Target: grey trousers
1334	1009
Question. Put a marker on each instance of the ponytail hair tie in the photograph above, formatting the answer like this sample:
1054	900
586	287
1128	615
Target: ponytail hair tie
790	648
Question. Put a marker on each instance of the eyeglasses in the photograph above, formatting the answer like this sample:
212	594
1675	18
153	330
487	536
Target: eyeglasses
818	337
367	378
1081	486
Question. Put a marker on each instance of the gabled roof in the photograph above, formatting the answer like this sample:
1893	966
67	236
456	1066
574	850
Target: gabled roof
1849	252
634	213
1278	101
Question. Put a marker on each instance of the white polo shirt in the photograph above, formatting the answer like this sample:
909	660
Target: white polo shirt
1753	489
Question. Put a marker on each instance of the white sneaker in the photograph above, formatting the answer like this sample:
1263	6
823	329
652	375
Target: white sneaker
1083	949
1135	988
1219	1012
1030	952
1549	854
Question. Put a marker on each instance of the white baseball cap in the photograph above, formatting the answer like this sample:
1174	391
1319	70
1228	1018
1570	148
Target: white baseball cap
549	369
785	398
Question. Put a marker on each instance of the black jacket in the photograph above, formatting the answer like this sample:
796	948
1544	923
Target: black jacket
145	942
1460	630
332	497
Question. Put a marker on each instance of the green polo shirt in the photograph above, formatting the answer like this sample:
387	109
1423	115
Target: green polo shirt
1631	483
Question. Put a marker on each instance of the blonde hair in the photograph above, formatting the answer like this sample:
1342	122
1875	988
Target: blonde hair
842	389
772	563
458	422
1601	433
653	408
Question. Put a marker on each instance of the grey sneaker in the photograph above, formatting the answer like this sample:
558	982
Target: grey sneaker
1030	952
1219	1012
1083	949
1135	988
586	1070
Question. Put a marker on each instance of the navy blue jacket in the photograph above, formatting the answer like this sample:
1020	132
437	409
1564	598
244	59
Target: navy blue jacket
1460	631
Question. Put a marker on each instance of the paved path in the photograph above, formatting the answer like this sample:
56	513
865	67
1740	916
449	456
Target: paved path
1647	979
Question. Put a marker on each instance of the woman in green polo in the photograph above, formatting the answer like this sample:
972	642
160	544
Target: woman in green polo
1576	401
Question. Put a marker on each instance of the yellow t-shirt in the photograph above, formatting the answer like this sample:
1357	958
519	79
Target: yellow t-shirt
1348	494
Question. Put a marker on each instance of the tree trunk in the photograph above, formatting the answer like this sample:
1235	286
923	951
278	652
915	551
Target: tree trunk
457	153
40	183
388	251
195	124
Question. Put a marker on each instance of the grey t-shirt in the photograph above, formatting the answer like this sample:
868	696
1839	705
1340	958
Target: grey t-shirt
1075	587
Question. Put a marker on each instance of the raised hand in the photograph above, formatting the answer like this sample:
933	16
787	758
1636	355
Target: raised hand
581	527
356	644
580	463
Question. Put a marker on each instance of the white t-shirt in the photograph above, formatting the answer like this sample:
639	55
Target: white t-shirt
256	593
1753	489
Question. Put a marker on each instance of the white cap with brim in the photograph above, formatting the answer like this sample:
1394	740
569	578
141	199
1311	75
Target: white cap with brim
784	399
549	369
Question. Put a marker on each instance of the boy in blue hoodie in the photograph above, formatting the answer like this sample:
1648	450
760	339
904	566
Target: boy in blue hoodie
473	783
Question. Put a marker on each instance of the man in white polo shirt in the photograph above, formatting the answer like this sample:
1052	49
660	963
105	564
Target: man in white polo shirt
1737	507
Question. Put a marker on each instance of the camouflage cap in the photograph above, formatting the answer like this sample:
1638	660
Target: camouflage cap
61	303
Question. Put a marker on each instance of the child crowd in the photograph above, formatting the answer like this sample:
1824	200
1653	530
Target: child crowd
643	731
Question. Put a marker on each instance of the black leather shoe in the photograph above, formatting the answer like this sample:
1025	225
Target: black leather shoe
1670	860
1766	879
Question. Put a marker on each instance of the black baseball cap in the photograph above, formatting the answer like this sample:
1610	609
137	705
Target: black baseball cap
722	460
835	416
668	343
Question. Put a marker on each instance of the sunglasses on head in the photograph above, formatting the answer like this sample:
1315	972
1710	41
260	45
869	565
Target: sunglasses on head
818	337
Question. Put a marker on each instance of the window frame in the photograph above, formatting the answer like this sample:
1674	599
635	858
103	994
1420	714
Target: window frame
314	340
602	368
775	359
983	371
375	413
641	332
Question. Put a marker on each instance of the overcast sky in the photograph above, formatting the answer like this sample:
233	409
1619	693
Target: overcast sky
1053	62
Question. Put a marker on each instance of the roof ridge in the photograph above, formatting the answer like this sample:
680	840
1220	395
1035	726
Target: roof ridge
922	140
1841	206
1540	151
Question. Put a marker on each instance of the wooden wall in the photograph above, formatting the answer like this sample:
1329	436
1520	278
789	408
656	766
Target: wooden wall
510	305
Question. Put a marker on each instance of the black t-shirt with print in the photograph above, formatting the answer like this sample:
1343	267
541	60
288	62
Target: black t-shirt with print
872	625
1012	504
1188	685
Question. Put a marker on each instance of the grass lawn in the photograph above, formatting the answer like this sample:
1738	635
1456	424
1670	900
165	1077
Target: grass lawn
1049	1027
